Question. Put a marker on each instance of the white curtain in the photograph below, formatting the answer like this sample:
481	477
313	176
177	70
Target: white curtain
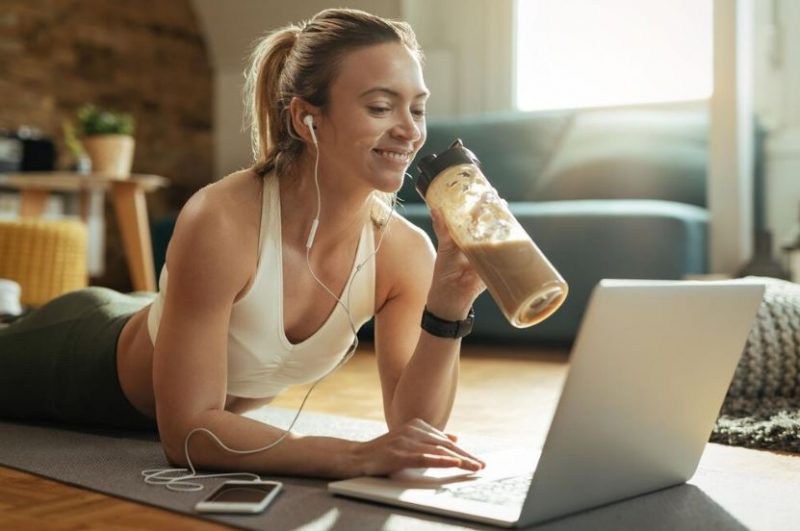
469	49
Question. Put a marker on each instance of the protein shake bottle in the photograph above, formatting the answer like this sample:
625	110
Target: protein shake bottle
523	283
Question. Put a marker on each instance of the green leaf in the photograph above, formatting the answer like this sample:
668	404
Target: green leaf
94	121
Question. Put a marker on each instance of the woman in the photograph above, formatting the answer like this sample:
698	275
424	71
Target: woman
270	270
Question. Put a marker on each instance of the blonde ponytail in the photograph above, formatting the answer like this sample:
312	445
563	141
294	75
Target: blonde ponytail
264	108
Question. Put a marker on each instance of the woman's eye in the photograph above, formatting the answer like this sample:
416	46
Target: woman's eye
418	113
378	109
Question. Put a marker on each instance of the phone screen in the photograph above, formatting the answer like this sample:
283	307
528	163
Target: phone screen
233	493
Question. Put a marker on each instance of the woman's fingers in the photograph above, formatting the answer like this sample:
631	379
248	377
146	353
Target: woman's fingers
418	460
438	225
452	266
416	444
428	455
467	463
444	442
441	230
429	435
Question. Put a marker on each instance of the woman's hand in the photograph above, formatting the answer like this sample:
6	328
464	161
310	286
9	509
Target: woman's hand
415	444
455	284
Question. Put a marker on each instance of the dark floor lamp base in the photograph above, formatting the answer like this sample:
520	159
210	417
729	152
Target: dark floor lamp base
763	264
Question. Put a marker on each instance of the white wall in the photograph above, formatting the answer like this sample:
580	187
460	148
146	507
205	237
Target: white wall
469	48
731	147
777	101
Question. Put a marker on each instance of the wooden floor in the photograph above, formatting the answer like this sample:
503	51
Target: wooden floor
504	392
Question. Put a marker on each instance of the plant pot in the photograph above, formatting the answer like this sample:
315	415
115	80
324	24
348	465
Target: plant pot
111	155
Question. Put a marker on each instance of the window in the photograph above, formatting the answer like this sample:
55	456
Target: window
589	53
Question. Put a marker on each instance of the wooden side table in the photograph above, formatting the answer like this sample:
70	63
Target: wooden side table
128	197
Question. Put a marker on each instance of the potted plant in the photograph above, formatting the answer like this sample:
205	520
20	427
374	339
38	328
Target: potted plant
107	137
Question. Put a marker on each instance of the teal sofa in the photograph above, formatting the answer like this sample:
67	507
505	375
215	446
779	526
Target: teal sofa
605	194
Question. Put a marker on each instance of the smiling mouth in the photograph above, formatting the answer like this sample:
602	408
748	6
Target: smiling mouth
394	155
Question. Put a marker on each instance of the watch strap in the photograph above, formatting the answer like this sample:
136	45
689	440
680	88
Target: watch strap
439	327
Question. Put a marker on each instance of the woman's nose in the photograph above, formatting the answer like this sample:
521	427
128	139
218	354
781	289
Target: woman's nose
407	128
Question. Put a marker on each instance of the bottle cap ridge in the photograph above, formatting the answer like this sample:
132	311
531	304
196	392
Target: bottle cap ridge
432	165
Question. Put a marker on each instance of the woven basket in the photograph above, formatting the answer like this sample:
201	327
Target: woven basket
46	257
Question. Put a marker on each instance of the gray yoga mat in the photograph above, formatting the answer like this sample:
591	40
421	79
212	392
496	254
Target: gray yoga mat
110	462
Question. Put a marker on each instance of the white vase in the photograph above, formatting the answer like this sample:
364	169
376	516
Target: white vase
111	155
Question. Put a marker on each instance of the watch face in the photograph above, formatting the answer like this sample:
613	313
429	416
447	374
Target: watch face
465	326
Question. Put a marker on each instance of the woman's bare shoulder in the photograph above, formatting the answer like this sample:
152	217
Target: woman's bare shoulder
220	220
407	254
227	204
407	237
231	194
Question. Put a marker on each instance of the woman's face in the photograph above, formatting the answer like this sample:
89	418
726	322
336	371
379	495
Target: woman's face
375	121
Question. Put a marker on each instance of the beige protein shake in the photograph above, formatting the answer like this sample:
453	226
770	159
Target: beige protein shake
520	279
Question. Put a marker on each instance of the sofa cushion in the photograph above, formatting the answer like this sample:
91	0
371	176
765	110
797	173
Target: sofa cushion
633	154
687	122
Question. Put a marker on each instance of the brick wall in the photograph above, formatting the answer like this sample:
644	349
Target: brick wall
147	57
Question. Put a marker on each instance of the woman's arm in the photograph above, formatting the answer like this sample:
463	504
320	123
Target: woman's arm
419	371
209	265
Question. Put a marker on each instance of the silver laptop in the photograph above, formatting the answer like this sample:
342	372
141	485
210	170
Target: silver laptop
648	373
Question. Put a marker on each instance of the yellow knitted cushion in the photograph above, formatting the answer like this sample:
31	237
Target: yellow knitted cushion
46	257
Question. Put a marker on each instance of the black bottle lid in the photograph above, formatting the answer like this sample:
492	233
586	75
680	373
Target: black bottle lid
432	165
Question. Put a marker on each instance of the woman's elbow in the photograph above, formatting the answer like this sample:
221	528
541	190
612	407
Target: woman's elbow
174	459
177	431
173	446
174	433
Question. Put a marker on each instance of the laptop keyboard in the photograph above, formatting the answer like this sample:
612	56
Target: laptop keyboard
506	491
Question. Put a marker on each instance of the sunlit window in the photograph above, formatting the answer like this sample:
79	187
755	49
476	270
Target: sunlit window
589	53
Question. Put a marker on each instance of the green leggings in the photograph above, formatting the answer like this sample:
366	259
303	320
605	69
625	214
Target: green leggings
59	362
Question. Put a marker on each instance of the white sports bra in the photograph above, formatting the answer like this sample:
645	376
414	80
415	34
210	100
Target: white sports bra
262	361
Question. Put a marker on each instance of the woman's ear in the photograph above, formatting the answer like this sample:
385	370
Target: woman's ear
300	111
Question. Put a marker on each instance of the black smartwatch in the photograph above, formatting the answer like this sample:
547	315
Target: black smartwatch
436	326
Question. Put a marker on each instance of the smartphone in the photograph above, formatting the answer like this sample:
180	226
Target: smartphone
235	496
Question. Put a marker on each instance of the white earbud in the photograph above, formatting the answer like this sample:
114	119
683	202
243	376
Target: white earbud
309	121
